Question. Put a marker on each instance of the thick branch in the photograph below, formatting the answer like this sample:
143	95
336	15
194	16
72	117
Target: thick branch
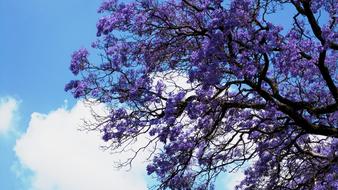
295	116
326	75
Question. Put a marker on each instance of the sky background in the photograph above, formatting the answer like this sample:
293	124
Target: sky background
40	146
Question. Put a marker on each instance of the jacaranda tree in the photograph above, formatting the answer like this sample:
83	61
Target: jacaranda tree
216	85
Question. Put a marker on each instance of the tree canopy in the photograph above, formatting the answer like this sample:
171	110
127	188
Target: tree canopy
216	85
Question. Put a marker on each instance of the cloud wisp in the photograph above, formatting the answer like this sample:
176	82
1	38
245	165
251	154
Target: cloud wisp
8	108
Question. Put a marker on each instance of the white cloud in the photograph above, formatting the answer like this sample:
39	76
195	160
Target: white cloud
8	107
64	158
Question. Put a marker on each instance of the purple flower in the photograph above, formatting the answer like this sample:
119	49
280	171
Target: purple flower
79	61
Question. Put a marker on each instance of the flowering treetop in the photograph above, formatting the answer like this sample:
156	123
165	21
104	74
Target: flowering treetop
251	90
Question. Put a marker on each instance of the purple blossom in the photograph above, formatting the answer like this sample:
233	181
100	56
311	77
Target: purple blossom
79	61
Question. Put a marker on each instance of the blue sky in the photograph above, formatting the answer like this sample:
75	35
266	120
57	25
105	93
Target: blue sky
37	38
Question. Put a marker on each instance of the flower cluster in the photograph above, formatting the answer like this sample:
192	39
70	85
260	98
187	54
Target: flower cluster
79	61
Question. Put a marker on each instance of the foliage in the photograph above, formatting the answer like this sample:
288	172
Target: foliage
216	85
